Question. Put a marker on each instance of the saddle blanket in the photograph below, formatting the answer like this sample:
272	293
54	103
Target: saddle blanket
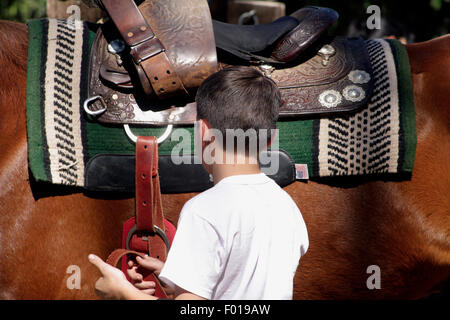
378	139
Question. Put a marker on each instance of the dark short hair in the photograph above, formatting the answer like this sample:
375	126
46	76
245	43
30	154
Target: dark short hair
239	98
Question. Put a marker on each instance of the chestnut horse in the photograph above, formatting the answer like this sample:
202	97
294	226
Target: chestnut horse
401	227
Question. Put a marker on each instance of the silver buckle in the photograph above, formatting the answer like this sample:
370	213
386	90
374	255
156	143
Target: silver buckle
158	231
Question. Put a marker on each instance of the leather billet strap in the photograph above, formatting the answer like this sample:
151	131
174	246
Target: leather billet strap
115	257
147	50
148	196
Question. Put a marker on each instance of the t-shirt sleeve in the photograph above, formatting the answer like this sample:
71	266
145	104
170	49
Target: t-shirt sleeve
195	260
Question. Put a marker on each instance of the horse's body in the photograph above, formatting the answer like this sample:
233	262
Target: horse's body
402	227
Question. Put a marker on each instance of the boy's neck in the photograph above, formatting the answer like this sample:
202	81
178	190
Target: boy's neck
222	171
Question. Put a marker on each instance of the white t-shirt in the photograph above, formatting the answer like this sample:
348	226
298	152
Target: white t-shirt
241	239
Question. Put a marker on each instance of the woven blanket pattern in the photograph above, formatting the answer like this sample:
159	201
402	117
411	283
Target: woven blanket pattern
378	139
62	82
366	142
58	104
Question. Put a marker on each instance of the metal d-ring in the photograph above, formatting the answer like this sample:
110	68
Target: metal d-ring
158	231
96	112
247	15
162	138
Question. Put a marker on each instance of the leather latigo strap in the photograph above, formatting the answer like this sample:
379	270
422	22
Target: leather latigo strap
116	256
149	214
147	50
146	169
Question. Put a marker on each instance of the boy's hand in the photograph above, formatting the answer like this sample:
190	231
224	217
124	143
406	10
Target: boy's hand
137	279
153	265
113	282
148	263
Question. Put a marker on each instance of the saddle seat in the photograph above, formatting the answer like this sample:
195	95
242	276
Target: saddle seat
251	38
278	42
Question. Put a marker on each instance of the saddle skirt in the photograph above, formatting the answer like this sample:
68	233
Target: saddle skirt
330	76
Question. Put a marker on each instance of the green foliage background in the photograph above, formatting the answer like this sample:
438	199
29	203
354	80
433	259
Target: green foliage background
22	10
417	20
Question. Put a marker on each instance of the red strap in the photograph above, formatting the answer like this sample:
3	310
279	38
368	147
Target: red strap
148	211
115	256
146	164
148	195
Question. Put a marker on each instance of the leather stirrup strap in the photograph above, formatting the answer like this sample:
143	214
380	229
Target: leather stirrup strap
146	49
149	214
116	256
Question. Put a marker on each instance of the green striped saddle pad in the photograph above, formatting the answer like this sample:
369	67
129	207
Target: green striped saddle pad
378	139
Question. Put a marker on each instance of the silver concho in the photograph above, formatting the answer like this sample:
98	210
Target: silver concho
330	98
326	52
359	76
353	93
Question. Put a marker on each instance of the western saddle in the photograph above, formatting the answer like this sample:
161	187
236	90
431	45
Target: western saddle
147	61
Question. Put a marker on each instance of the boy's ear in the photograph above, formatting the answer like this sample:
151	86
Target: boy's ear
204	128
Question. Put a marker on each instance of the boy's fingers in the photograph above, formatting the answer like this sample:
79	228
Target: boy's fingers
134	275
145	285
148	262
98	262
149	291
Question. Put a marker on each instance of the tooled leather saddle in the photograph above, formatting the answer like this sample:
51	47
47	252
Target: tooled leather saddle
148	60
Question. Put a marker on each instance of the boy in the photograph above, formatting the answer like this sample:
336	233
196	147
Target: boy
243	238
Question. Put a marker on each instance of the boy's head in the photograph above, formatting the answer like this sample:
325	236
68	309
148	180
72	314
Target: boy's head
239	98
